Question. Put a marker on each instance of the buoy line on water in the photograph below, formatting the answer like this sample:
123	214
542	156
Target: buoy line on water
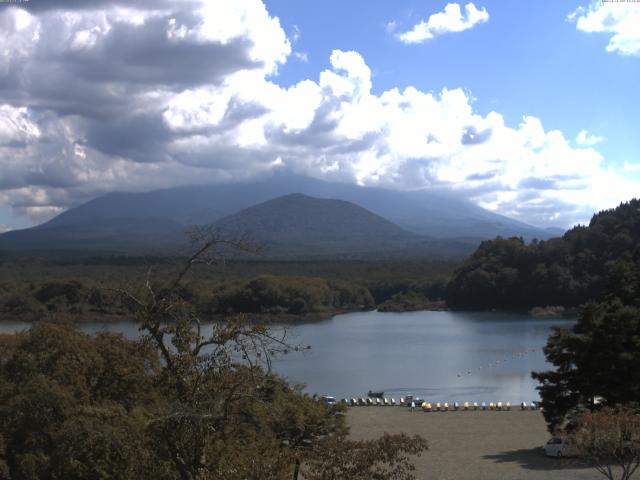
515	355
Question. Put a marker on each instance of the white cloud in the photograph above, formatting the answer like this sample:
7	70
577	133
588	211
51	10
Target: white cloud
622	19
584	139
5	228
71	129
295	34
302	56
631	167
450	20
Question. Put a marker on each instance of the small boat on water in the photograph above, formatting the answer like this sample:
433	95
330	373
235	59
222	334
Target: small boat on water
372	394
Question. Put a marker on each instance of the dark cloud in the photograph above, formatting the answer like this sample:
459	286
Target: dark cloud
354	146
218	156
55	88
554	182
139	137
320	133
113	75
419	173
481	190
145	55
483	176
538	183
471	136
37	6
239	111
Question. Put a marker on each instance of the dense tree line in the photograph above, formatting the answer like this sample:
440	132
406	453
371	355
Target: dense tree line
265	294
595	268
294	295
588	263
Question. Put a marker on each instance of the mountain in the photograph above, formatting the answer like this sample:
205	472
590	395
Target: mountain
125	221
300	225
423	212
298	218
555	231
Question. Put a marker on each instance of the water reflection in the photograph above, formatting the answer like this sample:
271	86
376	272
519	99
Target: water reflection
442	356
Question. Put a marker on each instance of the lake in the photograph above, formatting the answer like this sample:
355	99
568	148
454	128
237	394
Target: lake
440	356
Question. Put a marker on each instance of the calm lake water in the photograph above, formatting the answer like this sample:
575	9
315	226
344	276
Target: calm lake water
441	356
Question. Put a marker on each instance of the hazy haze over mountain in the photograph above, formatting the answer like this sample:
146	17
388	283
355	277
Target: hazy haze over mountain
157	218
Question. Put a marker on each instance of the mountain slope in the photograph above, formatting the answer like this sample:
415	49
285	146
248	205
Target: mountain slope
157	219
296	224
423	212
297	217
117	234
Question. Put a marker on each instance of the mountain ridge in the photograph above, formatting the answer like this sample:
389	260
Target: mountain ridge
142	220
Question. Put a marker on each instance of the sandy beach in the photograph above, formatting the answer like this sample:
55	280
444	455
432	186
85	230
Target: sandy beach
472	445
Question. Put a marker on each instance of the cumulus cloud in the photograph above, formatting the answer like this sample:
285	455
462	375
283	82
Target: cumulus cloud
450	20
71	129
621	19
583	138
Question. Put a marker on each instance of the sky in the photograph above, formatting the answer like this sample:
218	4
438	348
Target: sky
529	109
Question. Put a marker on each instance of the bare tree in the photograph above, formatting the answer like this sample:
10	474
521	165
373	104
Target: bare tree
208	369
609	440
225	404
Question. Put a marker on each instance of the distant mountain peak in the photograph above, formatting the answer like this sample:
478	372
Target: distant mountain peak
151	219
299	217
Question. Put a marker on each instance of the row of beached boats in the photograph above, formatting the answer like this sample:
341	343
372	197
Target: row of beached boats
435	406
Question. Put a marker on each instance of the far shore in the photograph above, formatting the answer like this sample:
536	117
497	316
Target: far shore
286	318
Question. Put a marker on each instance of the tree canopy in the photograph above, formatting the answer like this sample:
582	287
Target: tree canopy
597	363
586	264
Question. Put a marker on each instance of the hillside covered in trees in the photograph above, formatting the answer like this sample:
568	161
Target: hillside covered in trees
591	262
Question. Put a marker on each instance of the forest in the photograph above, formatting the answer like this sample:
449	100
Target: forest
86	288
588	263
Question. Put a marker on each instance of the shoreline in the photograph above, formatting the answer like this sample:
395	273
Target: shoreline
283	318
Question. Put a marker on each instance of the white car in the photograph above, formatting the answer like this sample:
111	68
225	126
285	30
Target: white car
328	400
559	447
